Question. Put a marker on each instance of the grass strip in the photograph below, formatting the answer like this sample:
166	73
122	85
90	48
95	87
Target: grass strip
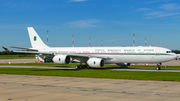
109	74
74	64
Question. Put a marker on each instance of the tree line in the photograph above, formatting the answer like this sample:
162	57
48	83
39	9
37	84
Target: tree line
12	53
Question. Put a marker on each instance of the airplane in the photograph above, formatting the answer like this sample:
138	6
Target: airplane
96	57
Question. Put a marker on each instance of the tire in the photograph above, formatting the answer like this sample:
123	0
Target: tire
77	67
158	68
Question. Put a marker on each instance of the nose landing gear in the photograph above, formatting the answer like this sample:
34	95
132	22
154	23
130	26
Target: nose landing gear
158	66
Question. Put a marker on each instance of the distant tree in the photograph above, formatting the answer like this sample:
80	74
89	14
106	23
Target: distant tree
176	51
12	53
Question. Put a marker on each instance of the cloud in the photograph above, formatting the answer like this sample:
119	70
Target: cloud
83	23
156	1
143	9
77	0
123	23
164	10
150	2
160	14
171	6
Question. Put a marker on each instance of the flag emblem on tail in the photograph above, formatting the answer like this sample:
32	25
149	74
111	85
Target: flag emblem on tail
34	38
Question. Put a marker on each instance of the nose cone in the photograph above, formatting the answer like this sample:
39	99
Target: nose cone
175	56
178	55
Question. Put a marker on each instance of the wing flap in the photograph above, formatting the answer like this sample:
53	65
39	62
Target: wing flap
87	56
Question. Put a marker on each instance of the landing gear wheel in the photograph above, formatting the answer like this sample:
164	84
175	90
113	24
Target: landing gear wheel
158	68
87	67
80	67
77	67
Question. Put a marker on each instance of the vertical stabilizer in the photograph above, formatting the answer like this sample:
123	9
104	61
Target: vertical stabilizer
36	41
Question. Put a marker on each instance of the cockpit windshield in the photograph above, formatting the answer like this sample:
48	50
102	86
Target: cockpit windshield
169	52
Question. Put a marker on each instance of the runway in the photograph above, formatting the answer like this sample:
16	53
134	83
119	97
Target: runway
50	88
17	60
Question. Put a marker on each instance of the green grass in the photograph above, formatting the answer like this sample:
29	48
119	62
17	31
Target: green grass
17	56
97	73
131	75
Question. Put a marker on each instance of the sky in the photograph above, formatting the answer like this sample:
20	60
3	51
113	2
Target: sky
113	21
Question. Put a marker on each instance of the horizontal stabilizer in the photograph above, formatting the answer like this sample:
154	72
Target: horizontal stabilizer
32	52
27	49
5	48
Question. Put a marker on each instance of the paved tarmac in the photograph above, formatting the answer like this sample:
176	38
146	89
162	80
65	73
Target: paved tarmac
171	63
17	60
50	88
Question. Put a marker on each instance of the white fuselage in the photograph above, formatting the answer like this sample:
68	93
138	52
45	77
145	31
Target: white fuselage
119	54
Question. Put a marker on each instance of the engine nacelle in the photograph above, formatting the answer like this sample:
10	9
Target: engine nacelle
61	59
95	62
123	64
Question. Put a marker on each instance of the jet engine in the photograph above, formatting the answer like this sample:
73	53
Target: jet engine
95	62
61	59
123	64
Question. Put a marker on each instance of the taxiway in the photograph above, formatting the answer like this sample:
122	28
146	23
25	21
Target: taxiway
50	88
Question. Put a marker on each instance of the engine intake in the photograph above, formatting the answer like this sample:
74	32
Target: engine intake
61	59
95	62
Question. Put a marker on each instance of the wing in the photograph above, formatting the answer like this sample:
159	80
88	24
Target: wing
87	56
83	58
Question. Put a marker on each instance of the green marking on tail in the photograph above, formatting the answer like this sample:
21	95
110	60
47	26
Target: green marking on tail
34	38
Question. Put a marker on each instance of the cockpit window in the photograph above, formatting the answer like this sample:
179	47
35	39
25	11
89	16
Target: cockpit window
169	52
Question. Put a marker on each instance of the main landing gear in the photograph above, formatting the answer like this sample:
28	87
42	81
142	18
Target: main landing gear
82	67
158	66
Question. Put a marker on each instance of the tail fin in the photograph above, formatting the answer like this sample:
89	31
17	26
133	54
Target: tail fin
36	41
